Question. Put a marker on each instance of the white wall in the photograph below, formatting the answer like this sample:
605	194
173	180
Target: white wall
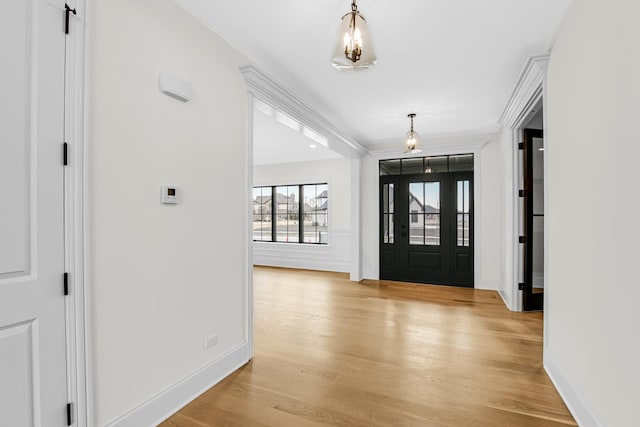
488	204
332	257
591	313
370	203
162	278
509	261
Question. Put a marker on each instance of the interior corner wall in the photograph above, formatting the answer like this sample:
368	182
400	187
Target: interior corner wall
592	152
489	202
162	277
336	256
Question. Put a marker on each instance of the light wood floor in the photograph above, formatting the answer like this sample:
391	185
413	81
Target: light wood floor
332	352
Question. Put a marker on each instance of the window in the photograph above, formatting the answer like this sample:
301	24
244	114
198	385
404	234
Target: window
291	213
262	213
287	214
426	165
315	213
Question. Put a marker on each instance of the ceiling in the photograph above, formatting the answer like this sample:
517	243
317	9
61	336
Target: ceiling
278	138
453	62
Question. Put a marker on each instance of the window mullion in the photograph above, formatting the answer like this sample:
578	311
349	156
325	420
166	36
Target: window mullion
274	206
300	214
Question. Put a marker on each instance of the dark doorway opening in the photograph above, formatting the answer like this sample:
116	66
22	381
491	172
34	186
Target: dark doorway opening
533	218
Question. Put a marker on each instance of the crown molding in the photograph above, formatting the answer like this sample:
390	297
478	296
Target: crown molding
527	91
455	144
265	88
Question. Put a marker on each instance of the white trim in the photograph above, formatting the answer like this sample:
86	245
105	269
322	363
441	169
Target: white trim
581	412
513	251
330	257
448	150
248	238
477	216
545	323
169	401
437	147
265	88
523	104
528	87
77	306
355	269
506	300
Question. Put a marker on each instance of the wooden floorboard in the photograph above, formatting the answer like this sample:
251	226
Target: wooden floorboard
329	351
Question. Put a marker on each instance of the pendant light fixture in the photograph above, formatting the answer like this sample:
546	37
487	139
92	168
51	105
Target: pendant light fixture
354	50
412	143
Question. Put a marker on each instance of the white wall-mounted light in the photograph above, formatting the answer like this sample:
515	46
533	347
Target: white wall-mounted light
354	50
174	87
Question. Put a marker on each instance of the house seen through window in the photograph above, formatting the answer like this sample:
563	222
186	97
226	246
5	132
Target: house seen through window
291	213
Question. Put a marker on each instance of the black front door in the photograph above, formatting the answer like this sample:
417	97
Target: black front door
427	228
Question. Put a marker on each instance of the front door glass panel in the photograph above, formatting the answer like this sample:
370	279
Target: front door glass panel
424	213
388	213
463	236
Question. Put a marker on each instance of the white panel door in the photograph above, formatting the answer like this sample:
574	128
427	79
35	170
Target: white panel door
33	368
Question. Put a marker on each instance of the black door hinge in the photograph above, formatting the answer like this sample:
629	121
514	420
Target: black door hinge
521	286
522	193
69	415
522	239
67	11
65	154
521	146
65	282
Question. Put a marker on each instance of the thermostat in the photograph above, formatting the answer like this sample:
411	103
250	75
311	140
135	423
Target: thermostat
169	195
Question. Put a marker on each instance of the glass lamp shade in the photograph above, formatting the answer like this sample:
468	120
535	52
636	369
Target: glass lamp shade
412	143
354	50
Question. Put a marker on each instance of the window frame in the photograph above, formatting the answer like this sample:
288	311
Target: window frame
300	214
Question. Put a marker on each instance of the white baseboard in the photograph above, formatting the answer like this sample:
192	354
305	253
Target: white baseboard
505	299
487	284
338	267
169	401
580	411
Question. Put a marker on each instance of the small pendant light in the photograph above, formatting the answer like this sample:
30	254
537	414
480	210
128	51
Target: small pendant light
354	50
412	143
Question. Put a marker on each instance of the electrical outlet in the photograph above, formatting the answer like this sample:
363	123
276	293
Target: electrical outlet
210	341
